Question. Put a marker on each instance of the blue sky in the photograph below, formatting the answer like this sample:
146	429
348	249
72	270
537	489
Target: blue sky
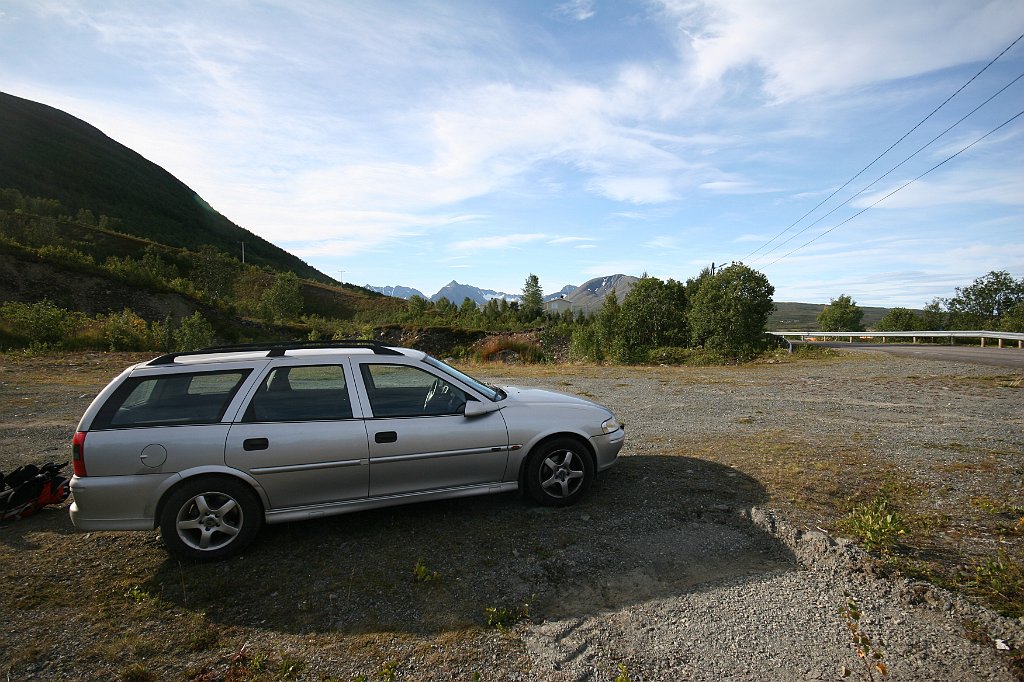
419	142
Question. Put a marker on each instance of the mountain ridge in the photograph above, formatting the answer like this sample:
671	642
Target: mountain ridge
46	152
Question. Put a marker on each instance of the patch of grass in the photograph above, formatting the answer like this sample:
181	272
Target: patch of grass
137	595
422	574
876	524
502	617
290	668
1011	516
204	639
999	579
387	670
137	673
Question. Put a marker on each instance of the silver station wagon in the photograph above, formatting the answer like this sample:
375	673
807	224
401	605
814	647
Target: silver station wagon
209	445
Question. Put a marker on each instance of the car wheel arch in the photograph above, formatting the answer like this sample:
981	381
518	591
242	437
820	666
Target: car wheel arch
186	477
587	445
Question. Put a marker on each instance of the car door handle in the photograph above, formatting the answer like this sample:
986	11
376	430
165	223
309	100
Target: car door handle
250	444
385	437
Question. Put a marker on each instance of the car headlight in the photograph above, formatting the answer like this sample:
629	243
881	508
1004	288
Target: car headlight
610	425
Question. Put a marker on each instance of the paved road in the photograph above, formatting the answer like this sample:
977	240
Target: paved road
1012	357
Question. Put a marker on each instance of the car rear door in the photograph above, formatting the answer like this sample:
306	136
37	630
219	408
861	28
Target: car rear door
420	441
299	436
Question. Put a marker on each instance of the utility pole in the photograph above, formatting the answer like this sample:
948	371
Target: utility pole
342	276
243	253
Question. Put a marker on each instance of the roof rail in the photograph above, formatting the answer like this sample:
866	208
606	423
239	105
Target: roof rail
275	350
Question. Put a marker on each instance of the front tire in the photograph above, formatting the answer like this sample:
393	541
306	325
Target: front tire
209	519
559	472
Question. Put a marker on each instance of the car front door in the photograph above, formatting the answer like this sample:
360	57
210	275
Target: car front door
419	438
299	438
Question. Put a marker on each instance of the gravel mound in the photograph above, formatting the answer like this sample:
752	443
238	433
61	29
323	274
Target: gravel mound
778	623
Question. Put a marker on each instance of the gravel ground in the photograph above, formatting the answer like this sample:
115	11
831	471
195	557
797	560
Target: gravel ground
699	557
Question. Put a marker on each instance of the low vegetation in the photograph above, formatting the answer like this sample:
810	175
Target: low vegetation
876	524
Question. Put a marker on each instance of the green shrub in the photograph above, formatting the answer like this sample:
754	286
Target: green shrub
133	272
586	344
320	328
669	355
703	357
805	350
126	331
193	334
40	323
66	256
501	617
876	524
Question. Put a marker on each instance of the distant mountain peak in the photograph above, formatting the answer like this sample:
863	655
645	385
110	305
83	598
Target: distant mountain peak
457	293
396	291
589	296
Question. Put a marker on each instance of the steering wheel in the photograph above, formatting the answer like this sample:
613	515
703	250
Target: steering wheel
439	392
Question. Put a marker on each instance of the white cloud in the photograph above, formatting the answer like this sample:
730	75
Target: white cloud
635	190
733	187
497	242
967	187
576	10
664	243
752	238
345	128
805	47
569	240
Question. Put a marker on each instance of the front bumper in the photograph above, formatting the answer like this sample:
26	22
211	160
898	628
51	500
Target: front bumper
607	446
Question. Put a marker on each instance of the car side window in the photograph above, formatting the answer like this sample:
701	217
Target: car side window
404	391
192	398
307	393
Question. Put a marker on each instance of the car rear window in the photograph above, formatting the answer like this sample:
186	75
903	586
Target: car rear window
305	393
188	398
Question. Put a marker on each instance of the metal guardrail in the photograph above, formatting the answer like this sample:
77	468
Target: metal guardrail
999	337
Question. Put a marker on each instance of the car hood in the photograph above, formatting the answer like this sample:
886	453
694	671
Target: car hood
539	396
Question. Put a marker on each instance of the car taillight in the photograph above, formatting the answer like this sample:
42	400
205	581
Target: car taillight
78	453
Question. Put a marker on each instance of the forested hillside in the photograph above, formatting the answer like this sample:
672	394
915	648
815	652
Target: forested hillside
45	152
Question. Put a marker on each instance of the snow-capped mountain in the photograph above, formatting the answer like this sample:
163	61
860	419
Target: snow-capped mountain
565	291
588	296
396	291
457	293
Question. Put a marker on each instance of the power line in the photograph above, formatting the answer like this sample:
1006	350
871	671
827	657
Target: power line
904	185
888	172
875	160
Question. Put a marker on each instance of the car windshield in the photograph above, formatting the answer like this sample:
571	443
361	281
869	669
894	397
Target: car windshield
492	393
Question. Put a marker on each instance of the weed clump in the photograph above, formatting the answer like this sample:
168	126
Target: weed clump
876	524
501	617
999	580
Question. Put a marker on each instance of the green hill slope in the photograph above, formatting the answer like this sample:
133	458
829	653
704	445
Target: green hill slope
804	316
45	152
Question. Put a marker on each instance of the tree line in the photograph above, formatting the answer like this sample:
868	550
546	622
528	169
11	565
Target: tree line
718	316
993	302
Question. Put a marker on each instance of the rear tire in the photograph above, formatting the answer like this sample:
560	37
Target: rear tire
208	519
559	472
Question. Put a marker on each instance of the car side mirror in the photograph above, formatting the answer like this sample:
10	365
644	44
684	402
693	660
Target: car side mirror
475	408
